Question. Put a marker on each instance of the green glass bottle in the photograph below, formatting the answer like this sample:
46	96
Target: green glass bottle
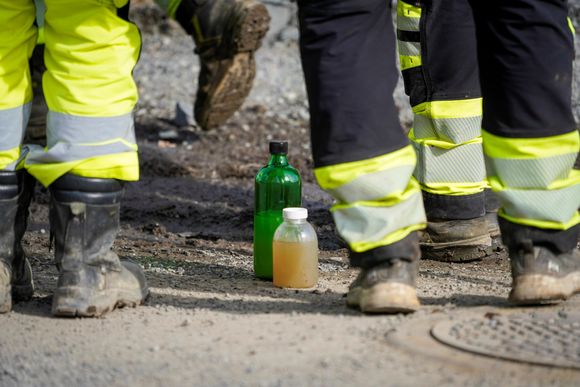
277	186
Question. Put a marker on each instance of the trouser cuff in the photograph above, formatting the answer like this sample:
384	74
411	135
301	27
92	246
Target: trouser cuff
406	249
558	241
447	207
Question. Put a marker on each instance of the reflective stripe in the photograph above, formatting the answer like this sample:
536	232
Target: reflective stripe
527	148
450	109
462	164
379	202
447	138
409	48
334	176
374	186
534	178
531	173
408	62
12	124
571	26
366	227
80	130
454	130
74	140
408	17
558	207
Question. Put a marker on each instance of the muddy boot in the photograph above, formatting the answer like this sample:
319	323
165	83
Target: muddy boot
226	34
16	283
386	283
541	273
385	288
457	240
84	219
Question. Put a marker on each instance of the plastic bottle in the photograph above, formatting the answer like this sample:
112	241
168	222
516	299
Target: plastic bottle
277	186
295	250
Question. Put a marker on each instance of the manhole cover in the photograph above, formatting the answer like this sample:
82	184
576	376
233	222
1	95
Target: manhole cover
552	339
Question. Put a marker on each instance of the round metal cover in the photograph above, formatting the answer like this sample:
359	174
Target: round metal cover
547	339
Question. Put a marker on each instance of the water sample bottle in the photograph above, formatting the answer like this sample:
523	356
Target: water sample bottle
277	186
295	251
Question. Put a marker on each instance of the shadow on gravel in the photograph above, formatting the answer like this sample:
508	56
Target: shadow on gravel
466	301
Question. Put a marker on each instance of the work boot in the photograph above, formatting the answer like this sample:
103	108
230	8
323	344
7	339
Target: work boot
16	283
84	220
542	277
457	240
545	263
226	35
388	287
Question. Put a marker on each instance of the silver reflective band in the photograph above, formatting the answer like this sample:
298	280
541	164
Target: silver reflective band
373	224
373	186
71	138
405	23
554	205
71	129
531	173
409	48
454	130
12	125
462	164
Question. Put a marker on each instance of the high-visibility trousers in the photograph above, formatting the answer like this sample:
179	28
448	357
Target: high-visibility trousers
90	53
438	58
363	158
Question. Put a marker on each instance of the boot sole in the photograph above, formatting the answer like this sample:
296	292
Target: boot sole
229	91
386	298
537	289
85	302
456	254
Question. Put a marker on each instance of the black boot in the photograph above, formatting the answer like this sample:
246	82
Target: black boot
16	283
84	219
226	34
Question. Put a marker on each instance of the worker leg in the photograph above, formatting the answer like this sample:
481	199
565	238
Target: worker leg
530	141
437	51
227	33
90	92
17	39
361	155
90	53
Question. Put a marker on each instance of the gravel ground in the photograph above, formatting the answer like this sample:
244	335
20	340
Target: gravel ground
209	322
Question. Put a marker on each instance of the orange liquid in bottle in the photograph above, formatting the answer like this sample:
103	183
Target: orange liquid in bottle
295	264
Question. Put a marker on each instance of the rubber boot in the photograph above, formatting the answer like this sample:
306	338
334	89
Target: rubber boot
226	35
16	283
387	287
84	220
542	273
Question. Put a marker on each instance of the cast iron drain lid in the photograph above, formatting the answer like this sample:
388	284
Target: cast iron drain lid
547	339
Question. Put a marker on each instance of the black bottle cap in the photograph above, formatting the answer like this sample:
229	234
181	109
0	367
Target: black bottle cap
279	147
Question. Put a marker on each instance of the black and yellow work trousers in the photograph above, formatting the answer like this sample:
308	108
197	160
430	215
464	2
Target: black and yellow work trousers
504	120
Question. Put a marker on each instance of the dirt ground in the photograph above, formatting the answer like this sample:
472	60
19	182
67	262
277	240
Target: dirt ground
209	322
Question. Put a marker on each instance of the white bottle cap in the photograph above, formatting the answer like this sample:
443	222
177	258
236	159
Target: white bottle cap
295	213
